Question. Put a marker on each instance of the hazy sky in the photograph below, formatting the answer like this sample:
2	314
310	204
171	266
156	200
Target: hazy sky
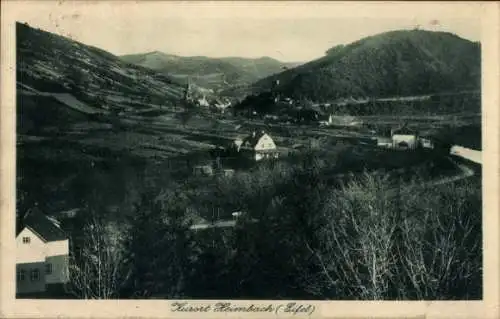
293	31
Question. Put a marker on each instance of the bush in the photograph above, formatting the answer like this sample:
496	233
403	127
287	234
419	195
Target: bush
379	243
371	238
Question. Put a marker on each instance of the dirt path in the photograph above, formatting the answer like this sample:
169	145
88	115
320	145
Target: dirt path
465	171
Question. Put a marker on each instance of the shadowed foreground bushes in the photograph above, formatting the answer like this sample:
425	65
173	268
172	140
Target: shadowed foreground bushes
415	244
367	239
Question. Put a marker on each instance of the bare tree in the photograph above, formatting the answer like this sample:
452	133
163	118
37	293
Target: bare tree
381	242
95	269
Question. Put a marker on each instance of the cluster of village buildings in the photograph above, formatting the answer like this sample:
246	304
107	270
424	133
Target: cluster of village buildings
258	146
216	104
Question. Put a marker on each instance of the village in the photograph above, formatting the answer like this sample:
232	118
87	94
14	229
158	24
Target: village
161	175
43	264
43	259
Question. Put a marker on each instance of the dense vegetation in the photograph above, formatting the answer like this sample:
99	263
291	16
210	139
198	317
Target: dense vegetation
358	239
396	63
316	235
467	136
264	103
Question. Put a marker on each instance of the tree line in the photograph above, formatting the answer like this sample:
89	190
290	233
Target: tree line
309	240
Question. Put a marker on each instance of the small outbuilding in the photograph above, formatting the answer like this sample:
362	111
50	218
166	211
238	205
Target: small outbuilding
404	138
203	170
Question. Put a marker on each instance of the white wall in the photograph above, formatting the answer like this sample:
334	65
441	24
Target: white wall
56	248
30	256
36	255
60	269
265	143
409	139
57	255
427	143
32	252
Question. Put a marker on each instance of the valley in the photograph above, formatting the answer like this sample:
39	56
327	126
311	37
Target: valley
308	157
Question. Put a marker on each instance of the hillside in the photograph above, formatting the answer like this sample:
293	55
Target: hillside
49	63
213	73
396	63
88	122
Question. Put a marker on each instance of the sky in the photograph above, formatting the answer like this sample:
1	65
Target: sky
290	32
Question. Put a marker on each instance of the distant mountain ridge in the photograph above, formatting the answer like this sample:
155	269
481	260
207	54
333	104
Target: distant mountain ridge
395	63
51	63
215	73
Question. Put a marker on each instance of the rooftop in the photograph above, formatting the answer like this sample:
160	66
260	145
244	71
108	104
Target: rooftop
252	139
46	227
404	131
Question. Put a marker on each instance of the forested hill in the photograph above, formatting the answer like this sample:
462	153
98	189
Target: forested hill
51	63
396	63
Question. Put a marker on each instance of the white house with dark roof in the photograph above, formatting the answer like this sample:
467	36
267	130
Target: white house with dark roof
404	138
42	250
258	146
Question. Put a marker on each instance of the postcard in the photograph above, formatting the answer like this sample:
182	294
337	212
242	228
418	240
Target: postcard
261	159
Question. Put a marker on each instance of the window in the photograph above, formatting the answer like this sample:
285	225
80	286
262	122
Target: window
20	275
35	275
48	269
26	240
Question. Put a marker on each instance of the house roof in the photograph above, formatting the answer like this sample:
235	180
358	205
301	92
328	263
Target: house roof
252	140
404	131
44	226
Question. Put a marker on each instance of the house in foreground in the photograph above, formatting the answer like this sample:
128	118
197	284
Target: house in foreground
258	146
42	250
